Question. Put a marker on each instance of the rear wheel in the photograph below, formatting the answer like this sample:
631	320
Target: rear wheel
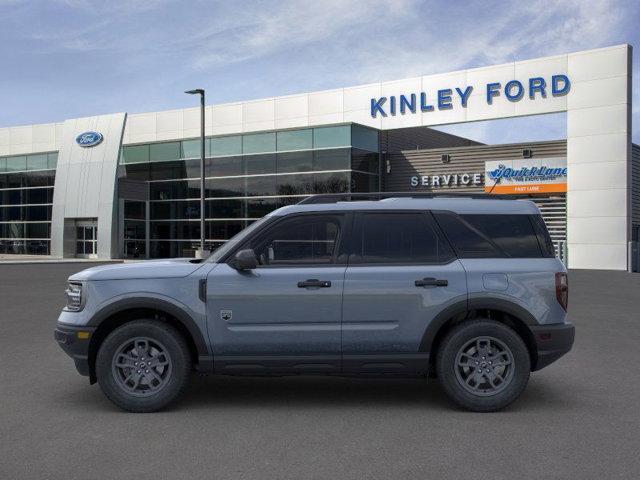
483	365
143	365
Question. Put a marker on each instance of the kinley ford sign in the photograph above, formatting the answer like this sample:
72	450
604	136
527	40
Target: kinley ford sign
445	99
518	176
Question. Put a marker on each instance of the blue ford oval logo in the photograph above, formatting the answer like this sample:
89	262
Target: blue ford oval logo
89	139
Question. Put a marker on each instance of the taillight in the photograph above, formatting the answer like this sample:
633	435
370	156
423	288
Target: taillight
562	289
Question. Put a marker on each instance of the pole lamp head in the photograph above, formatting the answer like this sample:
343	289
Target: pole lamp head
197	91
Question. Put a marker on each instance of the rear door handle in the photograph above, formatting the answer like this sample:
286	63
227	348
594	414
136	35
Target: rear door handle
312	282
431	282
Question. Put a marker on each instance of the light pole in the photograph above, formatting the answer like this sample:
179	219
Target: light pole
201	253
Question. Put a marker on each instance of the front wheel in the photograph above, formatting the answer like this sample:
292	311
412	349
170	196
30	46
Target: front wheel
483	365
143	365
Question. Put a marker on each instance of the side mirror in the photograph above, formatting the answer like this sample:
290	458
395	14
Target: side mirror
245	260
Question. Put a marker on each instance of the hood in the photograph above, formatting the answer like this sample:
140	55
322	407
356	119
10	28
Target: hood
173	268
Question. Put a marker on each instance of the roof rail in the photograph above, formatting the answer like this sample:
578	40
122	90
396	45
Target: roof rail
351	197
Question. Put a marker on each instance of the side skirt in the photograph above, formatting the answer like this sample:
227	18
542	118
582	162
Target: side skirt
412	364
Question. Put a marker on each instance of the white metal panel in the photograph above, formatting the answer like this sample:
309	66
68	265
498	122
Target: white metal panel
5	137
21	135
326	103
597	120
142	124
359	98
598	93
44	133
588	203
598	63
258	111
227	119
170	121
604	256
598	230
597	176
258	115
291	107
540	67
597	148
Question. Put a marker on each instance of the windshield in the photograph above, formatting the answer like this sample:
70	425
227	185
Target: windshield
237	239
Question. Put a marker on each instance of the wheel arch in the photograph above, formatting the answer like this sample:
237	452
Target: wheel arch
126	310
503	311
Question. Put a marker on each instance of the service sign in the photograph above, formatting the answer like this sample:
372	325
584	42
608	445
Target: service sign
526	175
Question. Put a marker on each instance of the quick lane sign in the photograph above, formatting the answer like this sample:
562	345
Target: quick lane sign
531	175
446	99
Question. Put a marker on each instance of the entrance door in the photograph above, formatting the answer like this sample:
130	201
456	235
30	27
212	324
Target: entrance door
285	314
401	274
87	239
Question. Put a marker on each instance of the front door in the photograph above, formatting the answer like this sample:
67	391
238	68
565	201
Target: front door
401	274
284	315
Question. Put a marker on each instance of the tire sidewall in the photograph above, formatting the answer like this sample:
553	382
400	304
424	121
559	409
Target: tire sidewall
177	349
446	365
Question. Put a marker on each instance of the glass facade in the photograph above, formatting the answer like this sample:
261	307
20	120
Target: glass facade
26	196
247	176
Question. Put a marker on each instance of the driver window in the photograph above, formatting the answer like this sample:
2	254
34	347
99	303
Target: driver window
303	240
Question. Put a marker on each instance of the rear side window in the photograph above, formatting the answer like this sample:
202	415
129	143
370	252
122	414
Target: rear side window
467	240
405	238
496	236
513	234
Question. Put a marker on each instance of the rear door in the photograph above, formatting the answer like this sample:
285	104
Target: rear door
401	274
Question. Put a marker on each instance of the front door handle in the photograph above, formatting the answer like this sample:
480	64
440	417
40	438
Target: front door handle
431	282
312	282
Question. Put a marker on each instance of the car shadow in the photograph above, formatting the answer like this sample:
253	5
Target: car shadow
309	392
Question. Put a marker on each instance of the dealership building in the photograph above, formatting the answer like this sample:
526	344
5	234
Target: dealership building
127	185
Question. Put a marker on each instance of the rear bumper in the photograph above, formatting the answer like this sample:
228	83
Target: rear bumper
75	343
552	342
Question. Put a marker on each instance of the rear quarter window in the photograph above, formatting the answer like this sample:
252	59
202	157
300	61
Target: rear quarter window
513	234
495	236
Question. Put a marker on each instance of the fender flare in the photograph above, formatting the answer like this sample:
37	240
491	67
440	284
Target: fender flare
465	306
154	303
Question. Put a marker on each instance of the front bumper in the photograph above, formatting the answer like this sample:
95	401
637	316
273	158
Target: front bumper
75	343
552	342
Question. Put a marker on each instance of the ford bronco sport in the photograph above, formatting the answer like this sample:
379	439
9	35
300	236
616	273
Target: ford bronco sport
465	289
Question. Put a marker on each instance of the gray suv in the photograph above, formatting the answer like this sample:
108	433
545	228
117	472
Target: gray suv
465	289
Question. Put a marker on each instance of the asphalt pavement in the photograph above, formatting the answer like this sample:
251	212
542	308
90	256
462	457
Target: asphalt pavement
579	418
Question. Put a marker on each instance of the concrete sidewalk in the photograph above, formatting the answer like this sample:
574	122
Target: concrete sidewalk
26	259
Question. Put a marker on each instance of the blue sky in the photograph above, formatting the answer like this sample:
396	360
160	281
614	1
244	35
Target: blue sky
72	58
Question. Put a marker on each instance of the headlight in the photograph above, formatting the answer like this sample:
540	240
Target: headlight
74	296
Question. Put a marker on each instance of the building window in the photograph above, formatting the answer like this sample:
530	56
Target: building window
328	137
224	146
26	195
247	177
259	143
160	152
295	140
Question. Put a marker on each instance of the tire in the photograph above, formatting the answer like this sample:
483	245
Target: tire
502	360
139	383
